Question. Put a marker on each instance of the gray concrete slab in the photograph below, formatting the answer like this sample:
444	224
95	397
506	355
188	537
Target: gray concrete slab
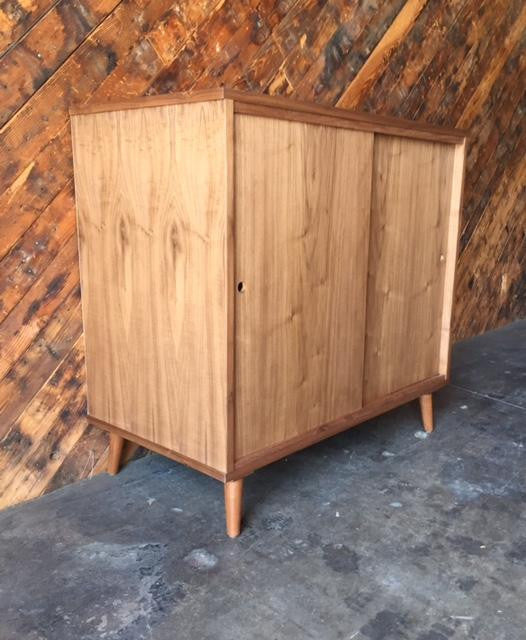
493	364
380	533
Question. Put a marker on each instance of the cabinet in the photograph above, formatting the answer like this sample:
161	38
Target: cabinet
258	274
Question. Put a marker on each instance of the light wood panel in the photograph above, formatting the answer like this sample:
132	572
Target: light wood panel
302	215
453	233
411	205
152	209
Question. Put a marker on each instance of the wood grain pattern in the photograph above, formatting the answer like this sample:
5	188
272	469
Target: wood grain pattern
152	446
377	61
141	102
42	437
295	110
303	312
153	268
251	462
26	67
453	62
302	218
411	204
16	18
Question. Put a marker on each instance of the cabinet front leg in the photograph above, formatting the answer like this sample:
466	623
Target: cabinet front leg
114	458
233	507
426	408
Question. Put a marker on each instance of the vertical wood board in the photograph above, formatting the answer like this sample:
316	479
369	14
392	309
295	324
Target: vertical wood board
453	233
151	199
302	215
411	204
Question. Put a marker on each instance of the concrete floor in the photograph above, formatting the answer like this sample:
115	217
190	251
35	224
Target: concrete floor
380	533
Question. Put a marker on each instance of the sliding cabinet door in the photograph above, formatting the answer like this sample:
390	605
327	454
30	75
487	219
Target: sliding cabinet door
302	196
408	256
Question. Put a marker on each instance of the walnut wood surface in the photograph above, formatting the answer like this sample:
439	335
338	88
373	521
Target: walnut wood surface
293	276
153	446
302	199
408	257
250	463
289	109
151	198
426	409
233	507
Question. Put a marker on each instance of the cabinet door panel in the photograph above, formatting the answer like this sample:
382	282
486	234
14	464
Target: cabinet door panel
411	202
302	218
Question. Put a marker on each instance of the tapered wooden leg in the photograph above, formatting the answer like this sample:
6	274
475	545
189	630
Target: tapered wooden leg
114	459
233	507
426	408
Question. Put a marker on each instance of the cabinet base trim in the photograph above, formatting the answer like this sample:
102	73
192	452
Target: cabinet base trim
253	461
247	464
168	453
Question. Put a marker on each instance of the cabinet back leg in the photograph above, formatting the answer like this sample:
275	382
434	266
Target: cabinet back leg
233	507
114	458
426	408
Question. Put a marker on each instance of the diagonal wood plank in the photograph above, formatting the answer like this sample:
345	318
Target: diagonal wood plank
37	248
78	77
35	309
377	61
410	61
38	363
45	432
345	52
496	64
17	18
39	183
26	66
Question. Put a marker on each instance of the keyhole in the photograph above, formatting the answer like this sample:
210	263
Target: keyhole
240	287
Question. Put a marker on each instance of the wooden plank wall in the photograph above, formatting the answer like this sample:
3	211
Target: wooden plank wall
451	62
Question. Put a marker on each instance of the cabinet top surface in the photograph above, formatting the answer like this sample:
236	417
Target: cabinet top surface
286	108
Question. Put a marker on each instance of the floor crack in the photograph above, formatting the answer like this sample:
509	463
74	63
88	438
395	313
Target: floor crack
488	397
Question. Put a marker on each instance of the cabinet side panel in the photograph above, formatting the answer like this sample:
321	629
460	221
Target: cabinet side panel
302	217
151	201
457	190
411	205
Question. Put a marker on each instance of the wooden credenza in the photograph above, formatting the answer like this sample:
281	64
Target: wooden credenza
259	274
